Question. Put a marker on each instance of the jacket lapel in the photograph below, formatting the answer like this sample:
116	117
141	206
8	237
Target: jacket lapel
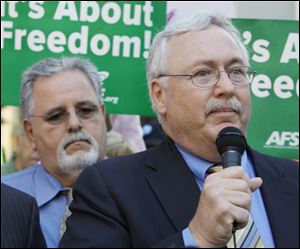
279	198
174	184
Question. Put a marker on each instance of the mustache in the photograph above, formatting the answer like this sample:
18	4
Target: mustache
214	105
80	136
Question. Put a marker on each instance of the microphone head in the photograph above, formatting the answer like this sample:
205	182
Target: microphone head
231	137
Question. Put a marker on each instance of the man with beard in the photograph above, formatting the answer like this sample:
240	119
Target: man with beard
199	81
63	116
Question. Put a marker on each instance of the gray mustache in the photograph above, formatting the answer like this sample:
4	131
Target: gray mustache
215	105
81	136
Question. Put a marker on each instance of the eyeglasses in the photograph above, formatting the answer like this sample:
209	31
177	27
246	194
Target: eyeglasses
59	116
206	78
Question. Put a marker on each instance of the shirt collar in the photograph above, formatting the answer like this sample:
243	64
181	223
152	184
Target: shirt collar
196	164
47	187
199	166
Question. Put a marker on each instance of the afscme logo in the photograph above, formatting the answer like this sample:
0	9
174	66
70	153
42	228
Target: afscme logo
283	139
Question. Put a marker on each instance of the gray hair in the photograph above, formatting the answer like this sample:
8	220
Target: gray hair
49	67
192	22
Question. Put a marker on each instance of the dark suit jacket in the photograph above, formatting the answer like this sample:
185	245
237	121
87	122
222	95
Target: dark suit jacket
147	199
20	225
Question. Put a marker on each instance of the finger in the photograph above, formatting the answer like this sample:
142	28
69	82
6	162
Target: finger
239	199
255	183
240	217
236	172
236	185
230	183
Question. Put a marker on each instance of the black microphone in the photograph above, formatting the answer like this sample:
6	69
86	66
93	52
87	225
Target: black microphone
231	145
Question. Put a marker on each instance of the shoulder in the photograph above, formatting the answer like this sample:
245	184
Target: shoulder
25	173
131	160
20	218
14	197
148	160
274	159
276	164
8	168
121	165
121	173
22	180
151	157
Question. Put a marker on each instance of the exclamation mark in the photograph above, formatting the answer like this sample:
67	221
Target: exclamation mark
147	42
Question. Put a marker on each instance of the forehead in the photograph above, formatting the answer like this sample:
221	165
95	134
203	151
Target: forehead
211	44
64	89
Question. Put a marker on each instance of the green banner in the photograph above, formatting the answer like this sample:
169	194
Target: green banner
114	35
274	51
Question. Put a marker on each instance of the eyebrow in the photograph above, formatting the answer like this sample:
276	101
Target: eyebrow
85	103
213	63
236	60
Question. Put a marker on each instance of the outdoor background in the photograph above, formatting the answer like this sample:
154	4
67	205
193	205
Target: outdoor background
269	29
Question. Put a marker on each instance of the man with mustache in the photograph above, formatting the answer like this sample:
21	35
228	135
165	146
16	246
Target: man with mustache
199	82
63	116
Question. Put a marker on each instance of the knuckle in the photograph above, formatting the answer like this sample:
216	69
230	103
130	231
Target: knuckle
224	208
247	201
245	186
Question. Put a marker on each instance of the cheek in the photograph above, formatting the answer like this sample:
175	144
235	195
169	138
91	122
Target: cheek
246	102
247	115
188	105
47	138
98	131
48	144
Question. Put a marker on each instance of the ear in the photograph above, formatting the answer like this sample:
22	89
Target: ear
158	93
27	125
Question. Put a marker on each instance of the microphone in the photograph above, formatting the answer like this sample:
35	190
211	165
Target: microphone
231	145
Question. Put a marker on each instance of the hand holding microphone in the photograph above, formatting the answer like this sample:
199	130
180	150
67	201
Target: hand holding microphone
231	145
225	199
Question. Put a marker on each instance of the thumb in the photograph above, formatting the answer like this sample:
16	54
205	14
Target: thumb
255	183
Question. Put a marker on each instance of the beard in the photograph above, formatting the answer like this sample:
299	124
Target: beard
76	163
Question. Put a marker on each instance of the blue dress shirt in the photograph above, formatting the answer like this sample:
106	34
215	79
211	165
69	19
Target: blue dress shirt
199	167
37	182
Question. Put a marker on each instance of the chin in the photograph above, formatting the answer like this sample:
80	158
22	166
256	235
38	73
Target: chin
213	131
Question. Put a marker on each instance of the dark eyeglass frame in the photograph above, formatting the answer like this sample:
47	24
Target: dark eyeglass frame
249	71
59	115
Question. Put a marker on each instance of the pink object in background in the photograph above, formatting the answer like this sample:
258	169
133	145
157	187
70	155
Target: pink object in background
130	127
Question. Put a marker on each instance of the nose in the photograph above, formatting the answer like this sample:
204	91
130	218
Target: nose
74	122
224	85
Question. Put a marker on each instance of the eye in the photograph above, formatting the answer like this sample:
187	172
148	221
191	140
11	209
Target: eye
87	111
54	117
202	73
238	71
